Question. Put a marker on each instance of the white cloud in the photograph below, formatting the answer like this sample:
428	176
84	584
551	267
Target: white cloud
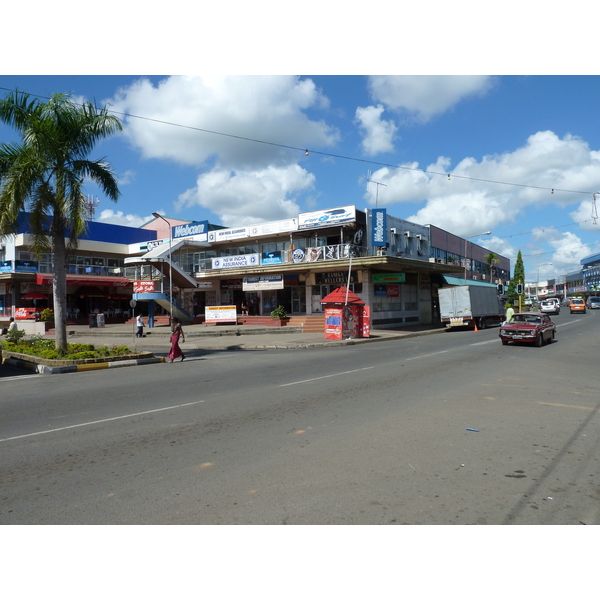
119	218
126	178
378	134
568	250
270	109
423	97
586	214
248	197
474	199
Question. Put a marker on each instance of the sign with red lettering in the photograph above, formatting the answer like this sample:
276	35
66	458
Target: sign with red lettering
143	287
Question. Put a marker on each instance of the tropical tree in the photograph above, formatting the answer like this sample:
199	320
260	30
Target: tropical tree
43	176
492	259
518	277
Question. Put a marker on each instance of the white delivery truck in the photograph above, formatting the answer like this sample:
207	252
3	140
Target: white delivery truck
471	306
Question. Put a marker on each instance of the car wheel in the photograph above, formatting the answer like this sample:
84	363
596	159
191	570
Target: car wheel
505	342
539	341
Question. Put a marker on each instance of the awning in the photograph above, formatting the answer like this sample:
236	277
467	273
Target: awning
45	278
449	280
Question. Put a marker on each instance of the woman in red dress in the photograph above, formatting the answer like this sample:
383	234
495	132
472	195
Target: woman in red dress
175	336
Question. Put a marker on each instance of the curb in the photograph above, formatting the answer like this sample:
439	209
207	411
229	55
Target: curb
45	370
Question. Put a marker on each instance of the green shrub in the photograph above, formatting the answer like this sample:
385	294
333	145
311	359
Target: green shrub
47	315
279	313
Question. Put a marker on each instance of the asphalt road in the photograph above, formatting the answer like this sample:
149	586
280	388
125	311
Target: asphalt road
370	434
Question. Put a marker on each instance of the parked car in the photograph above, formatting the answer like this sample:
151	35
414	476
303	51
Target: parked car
593	302
577	305
532	327
550	306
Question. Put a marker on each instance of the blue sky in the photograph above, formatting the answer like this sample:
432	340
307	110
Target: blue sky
505	141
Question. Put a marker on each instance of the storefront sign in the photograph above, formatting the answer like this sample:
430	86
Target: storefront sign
26	266
325	218
5	266
220	314
271	258
267	282
378	226
144	287
222	235
388	277
236	262
340	277
196	229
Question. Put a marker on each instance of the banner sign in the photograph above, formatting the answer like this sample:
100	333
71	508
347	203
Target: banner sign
326	218
236	262
5	266
144	287
378	226
266	282
220	314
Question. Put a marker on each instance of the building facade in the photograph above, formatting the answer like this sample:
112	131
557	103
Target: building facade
181	267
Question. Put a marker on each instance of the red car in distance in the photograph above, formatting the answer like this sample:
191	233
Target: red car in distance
535	328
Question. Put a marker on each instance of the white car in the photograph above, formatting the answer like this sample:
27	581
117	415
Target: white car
550	306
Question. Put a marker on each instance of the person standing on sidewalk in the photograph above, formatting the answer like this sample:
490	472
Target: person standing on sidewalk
175	351
140	325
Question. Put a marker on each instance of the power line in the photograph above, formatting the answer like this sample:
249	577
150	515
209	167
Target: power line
308	151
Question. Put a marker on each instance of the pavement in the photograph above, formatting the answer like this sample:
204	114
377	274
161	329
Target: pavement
221	337
204	337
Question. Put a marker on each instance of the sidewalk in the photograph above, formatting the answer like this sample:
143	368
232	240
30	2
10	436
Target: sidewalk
219	337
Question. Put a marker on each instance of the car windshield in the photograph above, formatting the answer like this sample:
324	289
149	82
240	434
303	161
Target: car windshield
533	319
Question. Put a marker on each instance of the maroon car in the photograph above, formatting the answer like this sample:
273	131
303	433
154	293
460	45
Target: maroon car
530	327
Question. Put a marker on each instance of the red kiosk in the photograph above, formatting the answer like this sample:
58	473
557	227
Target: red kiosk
346	315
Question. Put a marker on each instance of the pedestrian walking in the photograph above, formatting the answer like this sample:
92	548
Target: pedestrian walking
13	325
176	335
140	325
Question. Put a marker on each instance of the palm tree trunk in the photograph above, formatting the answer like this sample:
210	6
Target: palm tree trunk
59	285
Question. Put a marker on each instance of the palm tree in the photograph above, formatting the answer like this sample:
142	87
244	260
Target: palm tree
492	259
43	175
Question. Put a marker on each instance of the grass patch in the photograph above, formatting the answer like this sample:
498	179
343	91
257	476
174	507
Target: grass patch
43	348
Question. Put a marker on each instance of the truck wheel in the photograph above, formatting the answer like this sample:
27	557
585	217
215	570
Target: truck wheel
482	323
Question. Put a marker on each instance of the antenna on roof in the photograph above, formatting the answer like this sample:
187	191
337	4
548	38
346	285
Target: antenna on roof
377	183
89	206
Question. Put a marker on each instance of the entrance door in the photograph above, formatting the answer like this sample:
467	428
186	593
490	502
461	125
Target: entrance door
299	300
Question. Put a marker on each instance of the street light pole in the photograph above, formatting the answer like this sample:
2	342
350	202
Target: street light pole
157	216
468	238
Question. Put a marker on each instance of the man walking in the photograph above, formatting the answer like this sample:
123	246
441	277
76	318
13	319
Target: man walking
140	325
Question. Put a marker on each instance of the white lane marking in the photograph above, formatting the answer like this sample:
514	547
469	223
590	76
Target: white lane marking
19	377
427	355
146	412
325	376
